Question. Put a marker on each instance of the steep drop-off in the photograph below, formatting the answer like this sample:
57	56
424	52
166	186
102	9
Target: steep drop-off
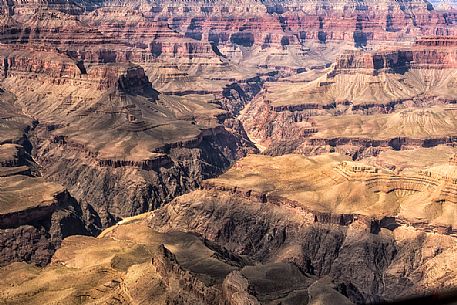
132	264
35	215
113	108
365	103
380	252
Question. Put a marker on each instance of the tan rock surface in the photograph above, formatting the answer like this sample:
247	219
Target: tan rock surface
333	184
132	264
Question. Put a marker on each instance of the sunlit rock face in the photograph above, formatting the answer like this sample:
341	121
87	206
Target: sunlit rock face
143	30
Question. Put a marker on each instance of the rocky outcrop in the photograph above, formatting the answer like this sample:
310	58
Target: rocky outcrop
119	97
35	216
170	147
99	185
361	89
373	224
358	62
287	129
370	267
175	276
31	230
347	224
259	251
132	263
236	290
428	53
50	66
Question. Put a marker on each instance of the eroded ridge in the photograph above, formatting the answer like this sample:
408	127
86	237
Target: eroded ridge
367	102
132	263
375	211
113	108
35	215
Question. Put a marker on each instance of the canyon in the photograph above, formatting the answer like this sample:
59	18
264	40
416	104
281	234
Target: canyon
366	102
227	152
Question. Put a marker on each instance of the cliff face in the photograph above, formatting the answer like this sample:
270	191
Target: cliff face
245	240
35	215
102	127
348	221
142	31
35	229
99	184
113	108
427	53
367	267
338	111
132	263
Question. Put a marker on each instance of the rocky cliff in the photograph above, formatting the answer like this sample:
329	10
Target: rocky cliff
142	31
169	145
370	261
248	243
373	248
113	108
363	89
132	263
35	215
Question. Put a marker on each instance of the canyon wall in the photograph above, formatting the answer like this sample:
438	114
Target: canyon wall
35	215
123	106
367	267
115	31
389	87
33	231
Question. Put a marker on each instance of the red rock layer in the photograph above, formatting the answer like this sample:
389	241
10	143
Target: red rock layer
429	52
109	31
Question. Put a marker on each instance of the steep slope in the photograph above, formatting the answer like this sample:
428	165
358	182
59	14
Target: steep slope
120	148
113	108
365	103
132	264
35	215
377	238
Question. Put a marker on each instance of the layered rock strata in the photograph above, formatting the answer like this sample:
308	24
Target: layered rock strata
140	31
35	215
367	102
371	255
132	264
258	244
119	132
134	104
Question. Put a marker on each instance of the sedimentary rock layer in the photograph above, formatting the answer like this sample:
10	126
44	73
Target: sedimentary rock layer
141	31
366	102
118	107
132	263
35	215
367	265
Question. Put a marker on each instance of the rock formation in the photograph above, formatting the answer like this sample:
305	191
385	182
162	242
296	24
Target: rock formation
85	110
366	102
35	215
371	253
131	263
276	151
